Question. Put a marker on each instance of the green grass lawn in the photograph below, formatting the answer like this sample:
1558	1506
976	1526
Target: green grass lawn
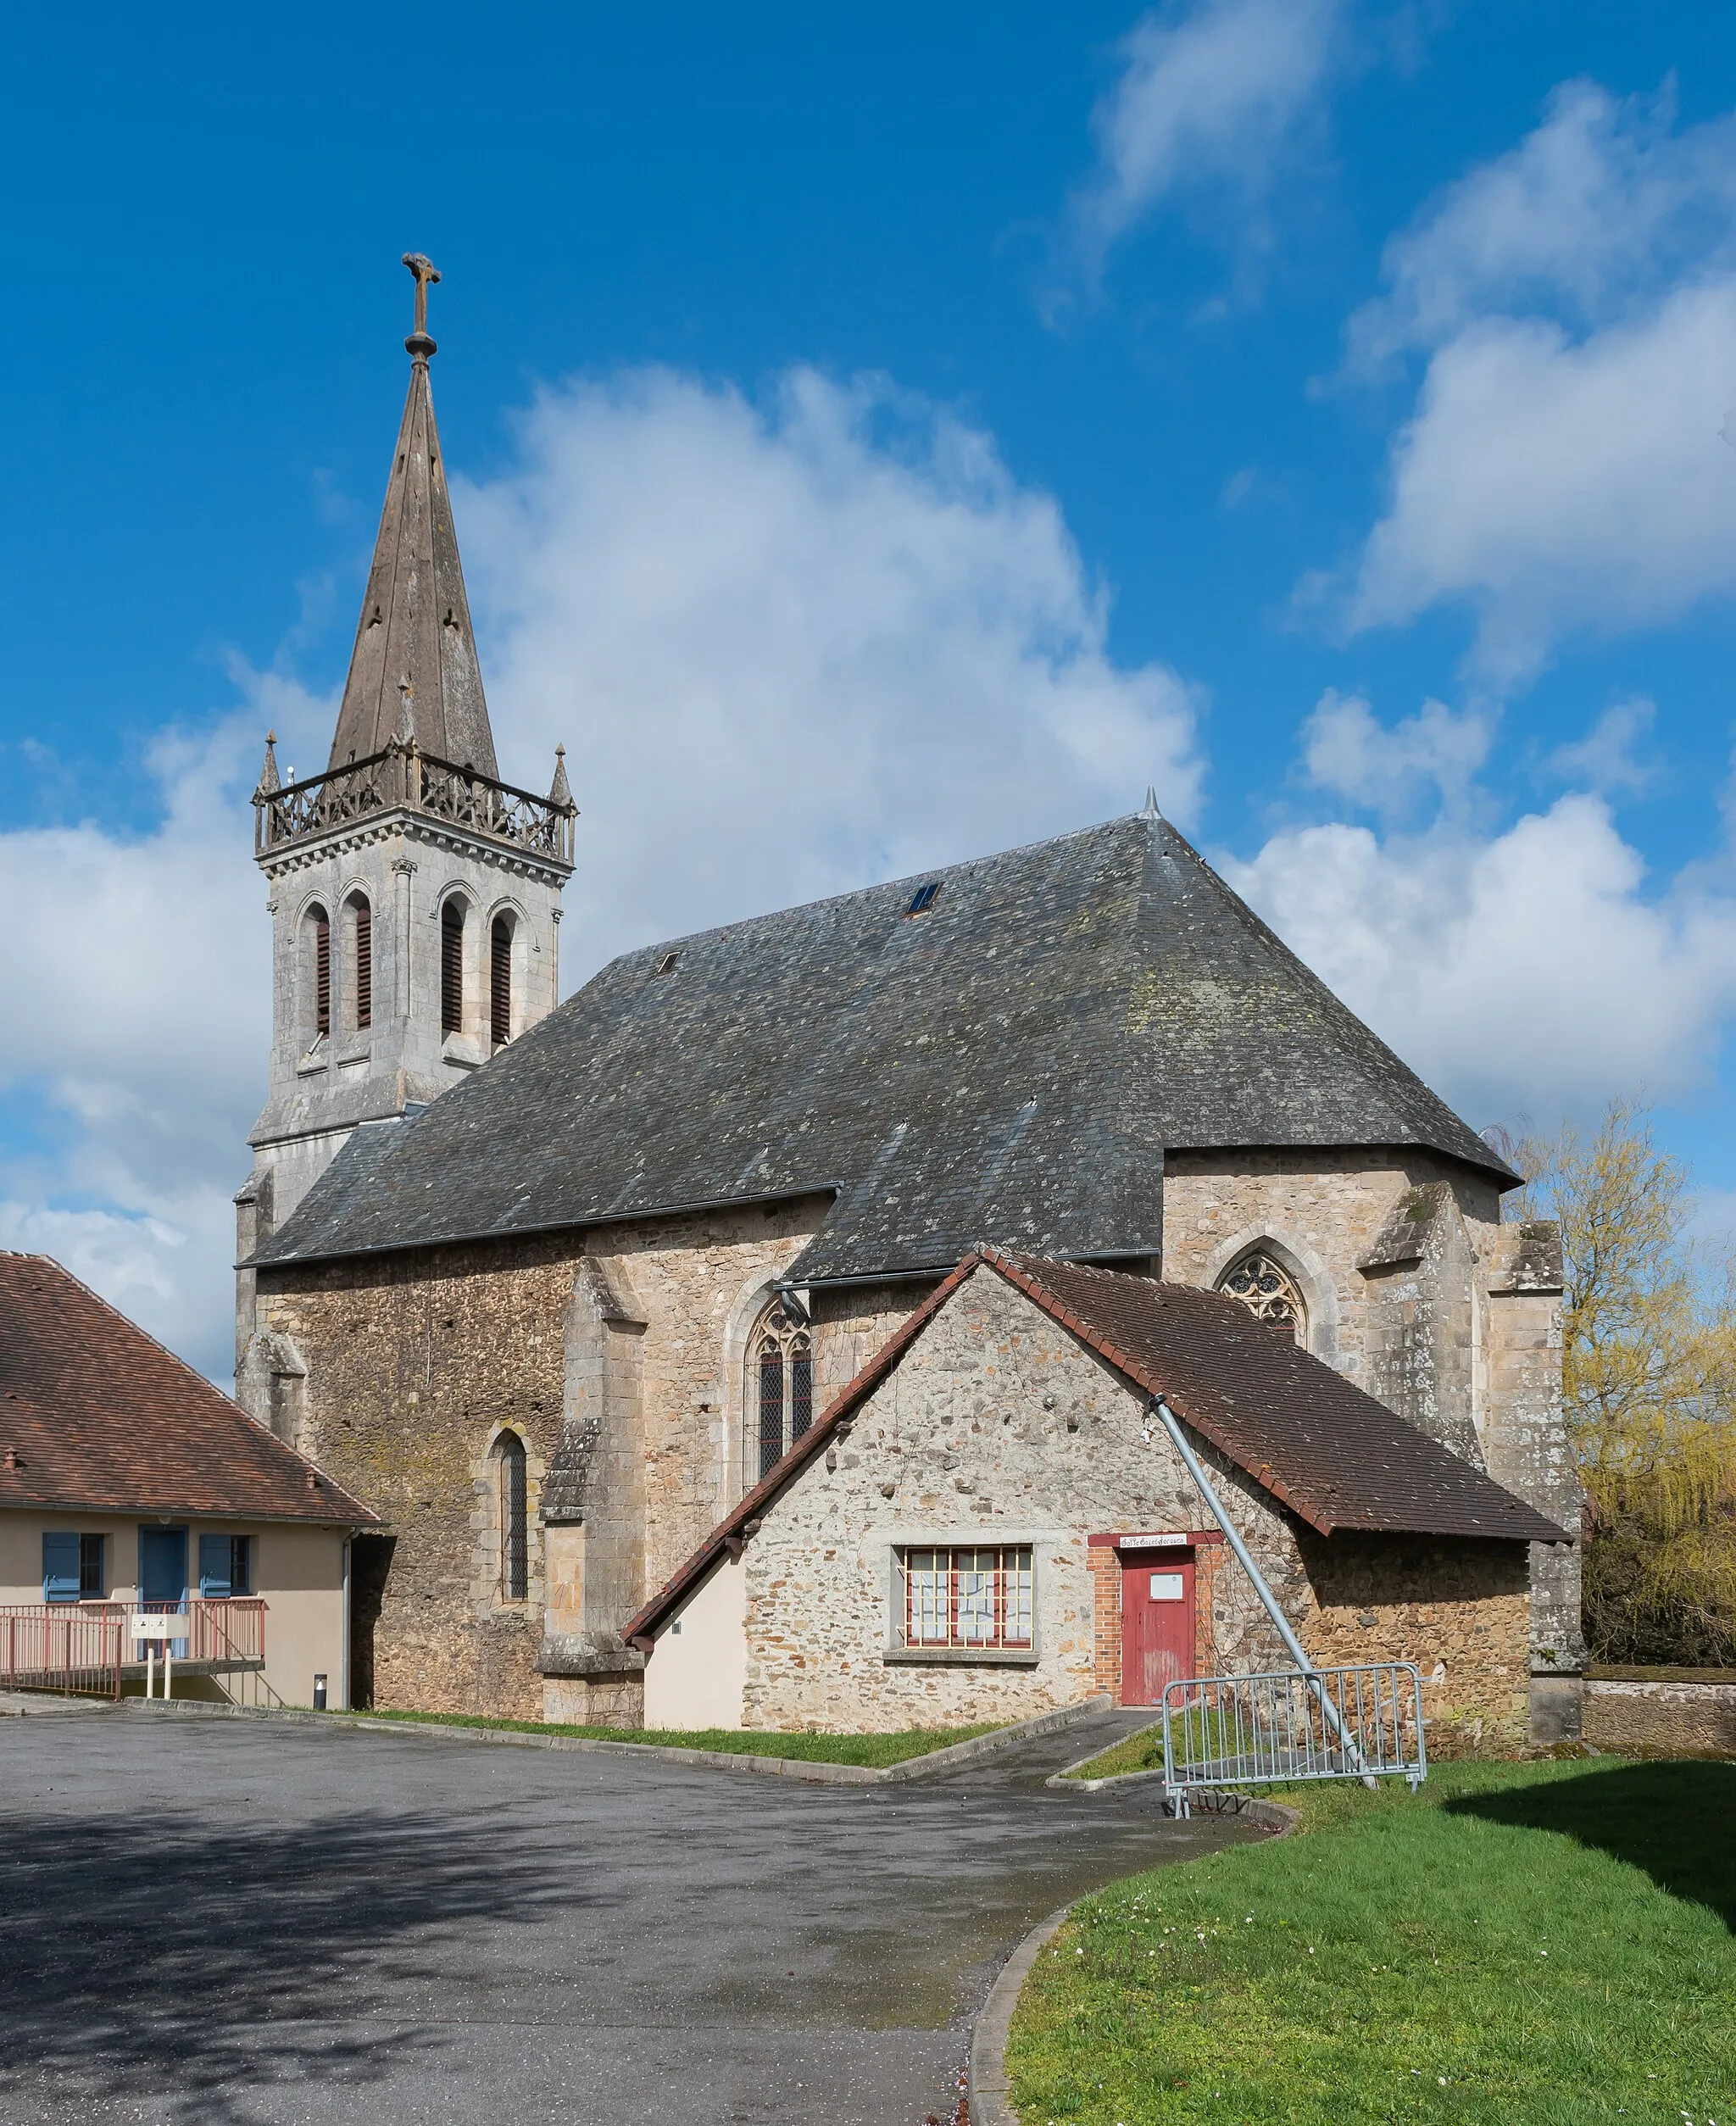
1142	1751
1543	1943
877	1750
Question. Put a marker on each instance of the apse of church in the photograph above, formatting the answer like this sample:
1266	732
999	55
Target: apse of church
552	1287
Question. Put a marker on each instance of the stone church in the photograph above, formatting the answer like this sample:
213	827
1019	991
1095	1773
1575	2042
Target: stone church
570	1295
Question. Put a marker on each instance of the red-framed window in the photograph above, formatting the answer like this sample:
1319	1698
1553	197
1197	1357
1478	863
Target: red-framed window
966	1595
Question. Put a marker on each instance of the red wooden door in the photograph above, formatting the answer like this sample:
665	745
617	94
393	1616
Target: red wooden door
1157	1623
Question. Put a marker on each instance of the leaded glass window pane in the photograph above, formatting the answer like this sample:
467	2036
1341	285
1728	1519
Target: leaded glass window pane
770	1406
1268	1292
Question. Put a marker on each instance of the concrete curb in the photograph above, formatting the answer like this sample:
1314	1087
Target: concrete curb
989	2040
812	1772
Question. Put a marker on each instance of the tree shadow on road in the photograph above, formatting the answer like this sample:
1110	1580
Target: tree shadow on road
189	1960
1671	1819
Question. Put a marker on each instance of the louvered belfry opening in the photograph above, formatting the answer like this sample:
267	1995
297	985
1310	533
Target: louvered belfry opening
452	966
514	1519
322	972
362	917
500	982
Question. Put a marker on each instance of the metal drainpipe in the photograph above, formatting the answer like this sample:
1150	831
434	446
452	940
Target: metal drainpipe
1269	1601
343	1660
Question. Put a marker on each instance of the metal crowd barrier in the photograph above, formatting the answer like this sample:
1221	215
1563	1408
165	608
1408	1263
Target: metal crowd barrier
1290	1725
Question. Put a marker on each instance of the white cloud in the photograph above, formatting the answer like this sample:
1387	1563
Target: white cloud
793	648
1555	487
1562	470
1390	770
1530	971
1606	758
140	985
1213	96
790	650
1600	208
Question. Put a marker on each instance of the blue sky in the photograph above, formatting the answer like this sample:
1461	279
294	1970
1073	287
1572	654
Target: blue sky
881	436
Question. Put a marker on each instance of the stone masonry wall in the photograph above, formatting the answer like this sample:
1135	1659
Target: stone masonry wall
1323	1208
998	1426
1525	1438
408	1365
414	1363
700	1281
1458	1609
1662	1719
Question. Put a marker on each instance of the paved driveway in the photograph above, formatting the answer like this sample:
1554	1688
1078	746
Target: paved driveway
226	1920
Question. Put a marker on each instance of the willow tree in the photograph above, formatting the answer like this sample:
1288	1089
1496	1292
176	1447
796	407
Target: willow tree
1649	1370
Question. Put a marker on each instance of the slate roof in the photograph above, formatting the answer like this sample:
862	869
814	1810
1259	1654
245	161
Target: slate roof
95	1416
414	658
1014	1061
1331	1453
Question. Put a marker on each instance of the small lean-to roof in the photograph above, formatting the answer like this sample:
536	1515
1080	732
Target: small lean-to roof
97	1416
1015	1060
1337	1458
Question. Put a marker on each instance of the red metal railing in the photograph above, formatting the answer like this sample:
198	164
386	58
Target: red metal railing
231	1629
76	1647
80	1647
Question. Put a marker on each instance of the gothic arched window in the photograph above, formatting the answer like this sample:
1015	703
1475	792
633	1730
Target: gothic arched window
361	959
780	1388
500	981
452	965
1268	1290
514	1518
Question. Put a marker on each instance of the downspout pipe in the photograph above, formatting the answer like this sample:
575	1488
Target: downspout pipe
1269	1601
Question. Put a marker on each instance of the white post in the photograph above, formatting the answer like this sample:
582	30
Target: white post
167	1669
150	1668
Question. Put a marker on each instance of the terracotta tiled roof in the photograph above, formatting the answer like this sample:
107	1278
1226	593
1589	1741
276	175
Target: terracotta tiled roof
97	1415
1333	1454
1314	1440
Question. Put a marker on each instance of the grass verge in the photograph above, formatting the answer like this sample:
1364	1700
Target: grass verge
1140	1751
875	1750
1545	1943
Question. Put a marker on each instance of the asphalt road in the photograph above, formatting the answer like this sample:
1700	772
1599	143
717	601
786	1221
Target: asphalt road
227	1921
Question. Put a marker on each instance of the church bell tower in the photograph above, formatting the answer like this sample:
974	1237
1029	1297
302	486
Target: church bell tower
413	895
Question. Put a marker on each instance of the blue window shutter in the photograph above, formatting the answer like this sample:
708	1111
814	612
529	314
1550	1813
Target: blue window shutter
59	1568
214	1557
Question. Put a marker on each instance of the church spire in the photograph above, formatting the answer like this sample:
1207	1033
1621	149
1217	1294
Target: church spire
413	672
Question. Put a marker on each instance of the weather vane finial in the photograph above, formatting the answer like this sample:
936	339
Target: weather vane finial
419	344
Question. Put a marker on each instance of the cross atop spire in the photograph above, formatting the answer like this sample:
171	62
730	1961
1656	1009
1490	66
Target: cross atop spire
419	346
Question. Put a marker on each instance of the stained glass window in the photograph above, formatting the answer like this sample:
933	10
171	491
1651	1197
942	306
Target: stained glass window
1268	1292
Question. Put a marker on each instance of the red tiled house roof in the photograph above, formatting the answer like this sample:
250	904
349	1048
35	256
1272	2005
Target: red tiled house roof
97	1416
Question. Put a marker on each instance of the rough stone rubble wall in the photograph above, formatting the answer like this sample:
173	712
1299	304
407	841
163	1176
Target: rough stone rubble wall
414	1363
1662	1719
998	1426
618	1357
1418	1293
1324	1211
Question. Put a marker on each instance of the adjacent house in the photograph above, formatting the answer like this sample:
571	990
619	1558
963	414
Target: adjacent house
130	1485
990	1522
